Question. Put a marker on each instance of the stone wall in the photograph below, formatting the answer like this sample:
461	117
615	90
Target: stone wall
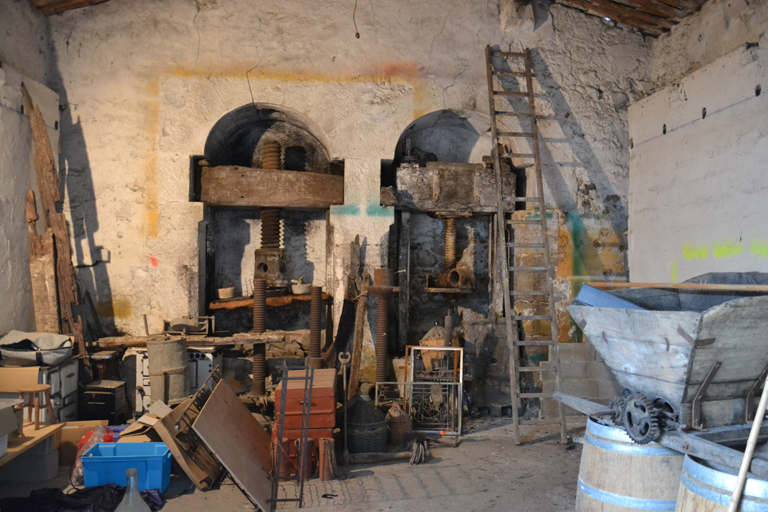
144	82
24	57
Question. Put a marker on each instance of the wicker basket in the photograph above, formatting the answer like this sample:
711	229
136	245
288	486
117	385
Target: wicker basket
400	425
367	437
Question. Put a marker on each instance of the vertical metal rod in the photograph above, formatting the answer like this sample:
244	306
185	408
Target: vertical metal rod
450	244
258	369
306	411
280	429
382	316
502	253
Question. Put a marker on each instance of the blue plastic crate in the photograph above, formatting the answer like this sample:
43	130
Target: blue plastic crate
106	463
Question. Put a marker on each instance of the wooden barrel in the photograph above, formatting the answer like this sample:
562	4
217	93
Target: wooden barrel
705	489
619	475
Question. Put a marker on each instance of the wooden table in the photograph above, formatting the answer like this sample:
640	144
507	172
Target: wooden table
19	444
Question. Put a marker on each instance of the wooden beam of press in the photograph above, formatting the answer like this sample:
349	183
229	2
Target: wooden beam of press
684	286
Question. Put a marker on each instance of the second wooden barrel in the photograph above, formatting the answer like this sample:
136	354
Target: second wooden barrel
705	489
616	474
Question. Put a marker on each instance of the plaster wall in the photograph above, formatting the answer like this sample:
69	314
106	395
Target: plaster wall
24	39
697	174
146	80
720	27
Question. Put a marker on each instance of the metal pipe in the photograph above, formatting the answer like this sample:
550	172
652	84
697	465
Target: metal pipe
448	341
315	318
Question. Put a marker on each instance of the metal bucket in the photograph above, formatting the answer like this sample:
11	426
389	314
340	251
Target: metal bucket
168	380
616	474
707	489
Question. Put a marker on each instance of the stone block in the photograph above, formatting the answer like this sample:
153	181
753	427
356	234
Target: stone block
608	389
576	352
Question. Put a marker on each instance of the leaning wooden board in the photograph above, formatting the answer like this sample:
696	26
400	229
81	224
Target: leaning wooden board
239	442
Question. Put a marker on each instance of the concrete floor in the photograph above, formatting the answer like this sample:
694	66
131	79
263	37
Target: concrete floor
486	472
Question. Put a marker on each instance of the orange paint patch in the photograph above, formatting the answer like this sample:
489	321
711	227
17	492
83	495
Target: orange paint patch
154	261
399	69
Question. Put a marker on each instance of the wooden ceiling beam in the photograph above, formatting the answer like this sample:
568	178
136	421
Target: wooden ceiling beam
50	7
617	14
655	8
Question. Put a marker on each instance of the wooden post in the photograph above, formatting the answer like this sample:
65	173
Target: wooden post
48	184
357	348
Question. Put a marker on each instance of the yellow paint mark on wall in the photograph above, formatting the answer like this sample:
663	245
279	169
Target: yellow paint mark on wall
727	249
674	270
695	252
117	308
758	248
152	129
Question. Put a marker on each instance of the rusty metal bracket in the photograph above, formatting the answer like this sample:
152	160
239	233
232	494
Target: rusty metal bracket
751	407
696	405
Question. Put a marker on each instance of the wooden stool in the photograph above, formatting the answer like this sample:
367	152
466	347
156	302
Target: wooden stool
33	405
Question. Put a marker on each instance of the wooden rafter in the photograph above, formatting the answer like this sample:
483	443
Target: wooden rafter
49	7
651	16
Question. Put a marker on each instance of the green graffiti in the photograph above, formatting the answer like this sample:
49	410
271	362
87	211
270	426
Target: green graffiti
346	209
376	210
674	271
575	225
727	249
695	252
758	248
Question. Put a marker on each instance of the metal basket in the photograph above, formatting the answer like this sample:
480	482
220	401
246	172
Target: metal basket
367	437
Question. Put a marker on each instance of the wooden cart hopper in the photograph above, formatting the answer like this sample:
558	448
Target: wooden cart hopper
697	358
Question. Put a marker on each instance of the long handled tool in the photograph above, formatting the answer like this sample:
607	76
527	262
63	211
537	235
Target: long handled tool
749	452
344	358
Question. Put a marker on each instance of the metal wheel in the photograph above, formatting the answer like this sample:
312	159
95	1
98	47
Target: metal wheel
640	418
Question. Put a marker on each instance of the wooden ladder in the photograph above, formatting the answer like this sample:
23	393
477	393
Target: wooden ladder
518	65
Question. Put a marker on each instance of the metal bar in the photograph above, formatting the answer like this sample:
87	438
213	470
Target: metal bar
697	446
612	285
279	441
306	411
696	404
750	406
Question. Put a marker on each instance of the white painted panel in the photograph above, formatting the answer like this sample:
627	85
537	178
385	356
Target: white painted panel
698	195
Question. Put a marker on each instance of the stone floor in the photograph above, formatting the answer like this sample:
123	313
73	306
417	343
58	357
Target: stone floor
486	472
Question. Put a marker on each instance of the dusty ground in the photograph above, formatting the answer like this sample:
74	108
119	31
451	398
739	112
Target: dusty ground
486	472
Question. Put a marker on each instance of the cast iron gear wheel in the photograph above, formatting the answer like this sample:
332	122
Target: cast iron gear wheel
640	419
617	404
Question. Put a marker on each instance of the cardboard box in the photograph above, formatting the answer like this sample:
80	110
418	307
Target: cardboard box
141	431
71	433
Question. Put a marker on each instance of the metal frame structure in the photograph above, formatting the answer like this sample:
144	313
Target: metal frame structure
308	379
407	393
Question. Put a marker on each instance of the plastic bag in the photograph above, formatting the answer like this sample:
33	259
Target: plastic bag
97	437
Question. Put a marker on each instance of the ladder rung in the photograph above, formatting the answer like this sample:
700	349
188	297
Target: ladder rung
507	54
511	73
536	343
518	155
528	269
530	294
510	93
540	422
542	368
533	246
512	221
535	395
522	199
514	134
533	317
511	114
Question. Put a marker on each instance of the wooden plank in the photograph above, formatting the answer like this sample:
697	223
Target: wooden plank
242	446
272	302
655	8
20	444
42	269
357	345
689	6
642	348
113	342
261	188
458	188
709	450
49	7
403	278
48	184
582	405
611	285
